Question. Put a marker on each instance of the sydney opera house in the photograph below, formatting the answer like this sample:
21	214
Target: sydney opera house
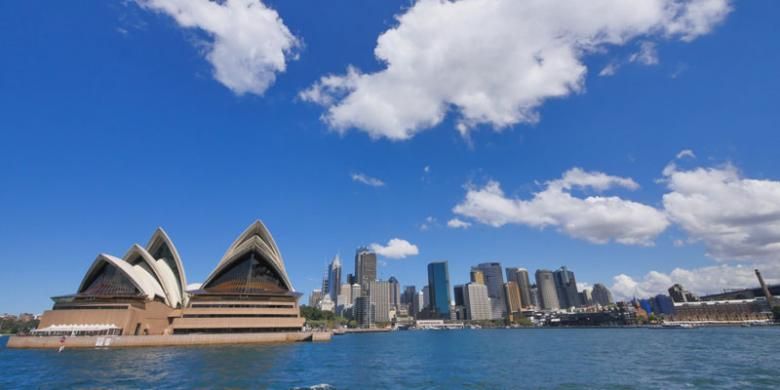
144	293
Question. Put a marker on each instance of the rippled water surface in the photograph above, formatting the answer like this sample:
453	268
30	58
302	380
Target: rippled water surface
477	359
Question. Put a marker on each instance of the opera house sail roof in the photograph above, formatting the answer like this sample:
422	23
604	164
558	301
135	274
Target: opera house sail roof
145	292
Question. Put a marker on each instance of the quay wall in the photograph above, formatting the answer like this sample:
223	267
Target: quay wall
54	342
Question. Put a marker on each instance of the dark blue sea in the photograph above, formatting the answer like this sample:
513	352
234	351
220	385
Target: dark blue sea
474	359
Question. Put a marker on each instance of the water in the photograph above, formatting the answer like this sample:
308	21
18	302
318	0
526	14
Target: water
474	359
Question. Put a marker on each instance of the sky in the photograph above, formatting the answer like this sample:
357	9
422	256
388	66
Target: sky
635	143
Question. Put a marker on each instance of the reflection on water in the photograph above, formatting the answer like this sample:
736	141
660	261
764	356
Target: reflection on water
538	358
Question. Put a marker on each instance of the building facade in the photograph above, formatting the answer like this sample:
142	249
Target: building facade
477	302
601	295
365	268
494	280
439	288
520	277
566	287
547	293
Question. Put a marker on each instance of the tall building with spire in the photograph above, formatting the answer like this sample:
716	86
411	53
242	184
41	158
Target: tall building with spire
334	278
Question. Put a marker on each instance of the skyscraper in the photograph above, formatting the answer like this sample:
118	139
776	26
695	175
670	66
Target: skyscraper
364	311
418	303
601	295
459	299
494	280
380	293
566	288
408	296
365	267
395	292
426	293
545	285
355	293
334	277
439	288
476	301
520	276
512	299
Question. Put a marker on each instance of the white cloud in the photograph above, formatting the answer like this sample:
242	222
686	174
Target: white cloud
194	286
735	217
647	54
456	223
367	180
248	42
493	62
429	223
396	248
609	70
427	169
703	280
686	153
597	219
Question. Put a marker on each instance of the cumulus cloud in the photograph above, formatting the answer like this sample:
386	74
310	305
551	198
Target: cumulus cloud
456	223
194	286
248	44
703	280
492	62
367	180
598	219
737	218
396	248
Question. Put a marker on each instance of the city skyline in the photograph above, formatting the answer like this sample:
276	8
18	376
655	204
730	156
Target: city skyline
632	163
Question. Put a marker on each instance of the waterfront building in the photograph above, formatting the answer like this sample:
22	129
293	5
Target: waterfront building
520	276
334	277
363	311
439	288
381	300
601	295
395	292
494	280
477	302
548	295
512	293
729	311
566	288
365	267
477	276
143	293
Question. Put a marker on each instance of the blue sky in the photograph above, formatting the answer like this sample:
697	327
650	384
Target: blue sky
113	123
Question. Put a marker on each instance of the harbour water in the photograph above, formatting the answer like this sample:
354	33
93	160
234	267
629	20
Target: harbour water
477	359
